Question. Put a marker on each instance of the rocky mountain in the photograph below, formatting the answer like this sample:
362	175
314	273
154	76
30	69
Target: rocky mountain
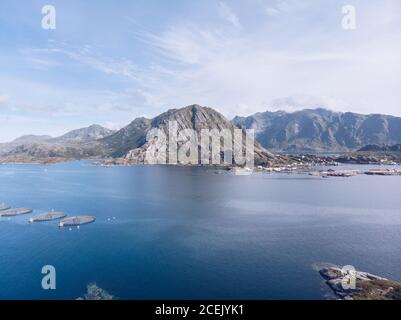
24	140
321	130
129	145
76	144
53	152
130	142
308	130
130	137
94	132
28	139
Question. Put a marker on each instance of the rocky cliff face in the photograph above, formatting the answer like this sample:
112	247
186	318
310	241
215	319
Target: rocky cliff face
128	138
130	142
321	130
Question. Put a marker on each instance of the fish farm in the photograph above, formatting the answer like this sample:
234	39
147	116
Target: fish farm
76	221
47	216
15	212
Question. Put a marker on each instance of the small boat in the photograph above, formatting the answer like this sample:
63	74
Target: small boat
76	221
242	171
4	207
47	216
15	212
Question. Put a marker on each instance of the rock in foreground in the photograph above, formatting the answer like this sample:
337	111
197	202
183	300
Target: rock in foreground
367	285
96	293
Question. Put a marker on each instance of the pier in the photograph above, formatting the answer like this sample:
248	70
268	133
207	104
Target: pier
15	212
47	216
76	221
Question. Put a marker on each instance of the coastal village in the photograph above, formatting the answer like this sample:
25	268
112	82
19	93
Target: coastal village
325	173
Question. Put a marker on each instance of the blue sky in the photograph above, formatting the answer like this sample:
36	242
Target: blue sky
108	62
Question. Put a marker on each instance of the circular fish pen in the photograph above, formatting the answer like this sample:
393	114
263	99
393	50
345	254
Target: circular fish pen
4	207
15	212
47	216
76	221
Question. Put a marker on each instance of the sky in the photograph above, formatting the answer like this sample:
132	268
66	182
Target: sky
108	62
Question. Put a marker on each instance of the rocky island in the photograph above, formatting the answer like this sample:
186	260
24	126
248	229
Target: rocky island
367	285
96	293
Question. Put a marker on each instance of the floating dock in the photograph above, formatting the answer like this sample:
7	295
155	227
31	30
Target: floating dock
383	172
335	173
47	216
4	207
15	212
76	221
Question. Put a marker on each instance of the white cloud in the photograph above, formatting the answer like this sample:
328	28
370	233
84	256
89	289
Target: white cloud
271	11
302	101
276	7
304	59
313	66
228	14
249	72
86	56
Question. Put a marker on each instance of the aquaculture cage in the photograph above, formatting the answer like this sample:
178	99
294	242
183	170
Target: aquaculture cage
15	212
76	221
47	216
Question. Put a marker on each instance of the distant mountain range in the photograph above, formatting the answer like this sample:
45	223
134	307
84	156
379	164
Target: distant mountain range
90	133
317	130
76	144
321	130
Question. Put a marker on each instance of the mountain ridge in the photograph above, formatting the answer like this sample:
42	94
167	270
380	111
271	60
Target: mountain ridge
314	130
132	144
303	131
93	132
79	143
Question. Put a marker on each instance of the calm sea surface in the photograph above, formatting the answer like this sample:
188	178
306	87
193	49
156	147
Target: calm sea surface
189	233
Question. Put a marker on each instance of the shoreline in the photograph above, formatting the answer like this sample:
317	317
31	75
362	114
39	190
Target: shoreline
307	168
349	284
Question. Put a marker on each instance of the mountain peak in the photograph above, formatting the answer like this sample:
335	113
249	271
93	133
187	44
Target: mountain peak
190	117
93	132
31	139
131	141
194	108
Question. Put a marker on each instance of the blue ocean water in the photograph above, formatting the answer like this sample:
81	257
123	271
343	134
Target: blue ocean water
189	233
